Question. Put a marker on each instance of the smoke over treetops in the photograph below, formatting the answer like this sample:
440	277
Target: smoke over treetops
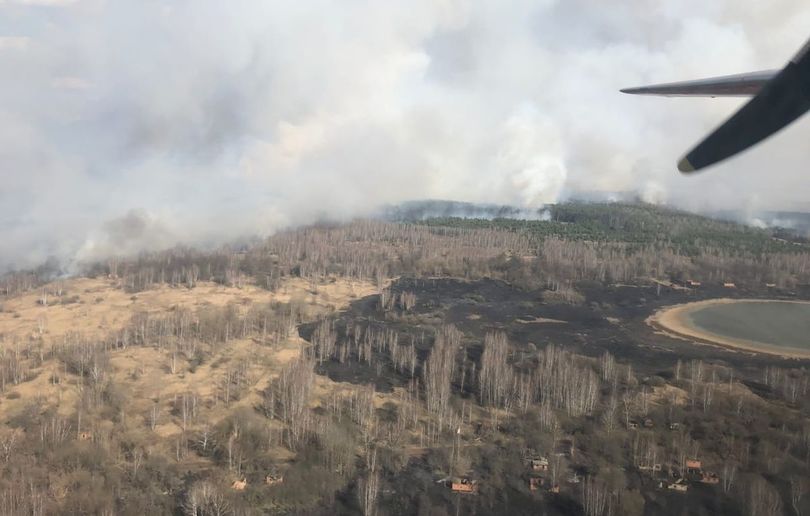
133	125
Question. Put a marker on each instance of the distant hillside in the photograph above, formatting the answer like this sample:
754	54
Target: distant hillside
638	223
430	209
795	221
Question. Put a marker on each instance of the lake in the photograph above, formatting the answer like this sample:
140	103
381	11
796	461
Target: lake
780	324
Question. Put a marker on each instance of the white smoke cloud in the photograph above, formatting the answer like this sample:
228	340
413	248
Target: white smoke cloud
214	120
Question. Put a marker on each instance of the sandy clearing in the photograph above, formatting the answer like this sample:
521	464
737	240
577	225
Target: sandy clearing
674	320
143	372
103	307
678	396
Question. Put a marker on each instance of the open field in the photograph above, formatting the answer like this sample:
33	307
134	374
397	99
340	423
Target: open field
94	306
97	307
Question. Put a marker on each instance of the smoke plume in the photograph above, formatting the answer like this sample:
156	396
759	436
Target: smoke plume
135	125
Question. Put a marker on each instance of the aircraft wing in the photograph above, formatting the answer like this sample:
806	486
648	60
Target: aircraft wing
739	85
780	98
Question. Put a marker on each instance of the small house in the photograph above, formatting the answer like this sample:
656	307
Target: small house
239	485
648	423
770	285
693	466
539	464
709	478
679	486
464	486
693	283
536	483
632	425
86	436
674	426
554	489
728	284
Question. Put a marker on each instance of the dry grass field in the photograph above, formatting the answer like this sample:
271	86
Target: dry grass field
95	307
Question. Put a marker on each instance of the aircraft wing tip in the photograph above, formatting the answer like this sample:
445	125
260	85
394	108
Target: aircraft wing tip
685	166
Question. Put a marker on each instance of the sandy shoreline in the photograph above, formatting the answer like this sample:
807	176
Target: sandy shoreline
675	319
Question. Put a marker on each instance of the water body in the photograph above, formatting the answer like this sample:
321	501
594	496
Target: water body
774	324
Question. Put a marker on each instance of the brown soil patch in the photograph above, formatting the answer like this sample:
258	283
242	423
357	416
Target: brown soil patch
678	396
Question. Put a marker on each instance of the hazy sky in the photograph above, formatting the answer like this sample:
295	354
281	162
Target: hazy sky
137	124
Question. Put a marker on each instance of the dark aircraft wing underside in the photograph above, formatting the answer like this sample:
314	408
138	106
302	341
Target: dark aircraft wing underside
780	97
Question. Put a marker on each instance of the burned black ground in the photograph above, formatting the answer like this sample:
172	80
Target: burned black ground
611	318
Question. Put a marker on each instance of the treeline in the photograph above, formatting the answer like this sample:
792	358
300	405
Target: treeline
613	243
643	224
609	243
16	282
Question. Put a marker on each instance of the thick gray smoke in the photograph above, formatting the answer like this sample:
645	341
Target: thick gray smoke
134	125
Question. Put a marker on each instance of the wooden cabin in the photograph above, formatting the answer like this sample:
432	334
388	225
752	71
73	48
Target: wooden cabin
464	486
693	466
539	464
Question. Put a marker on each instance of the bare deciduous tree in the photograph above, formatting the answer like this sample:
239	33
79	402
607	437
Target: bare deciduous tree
438	372
291	393
495	377
595	497
798	488
154	415
205	499
762	499
368	486
729	475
